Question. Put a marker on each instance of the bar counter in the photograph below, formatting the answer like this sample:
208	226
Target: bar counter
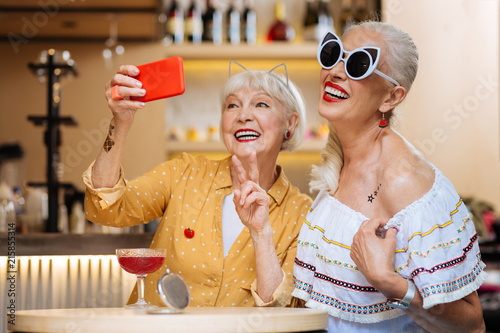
71	244
61	271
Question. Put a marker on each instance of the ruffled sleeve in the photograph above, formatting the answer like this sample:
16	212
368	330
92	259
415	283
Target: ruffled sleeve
438	245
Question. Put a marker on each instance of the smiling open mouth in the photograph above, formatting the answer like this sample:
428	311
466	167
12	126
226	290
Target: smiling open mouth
246	135
334	93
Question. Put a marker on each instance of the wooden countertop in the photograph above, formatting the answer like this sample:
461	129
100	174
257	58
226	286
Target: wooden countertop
192	320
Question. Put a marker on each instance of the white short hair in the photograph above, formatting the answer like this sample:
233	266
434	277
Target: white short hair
276	86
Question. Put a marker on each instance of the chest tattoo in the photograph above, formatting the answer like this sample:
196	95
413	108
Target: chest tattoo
372	196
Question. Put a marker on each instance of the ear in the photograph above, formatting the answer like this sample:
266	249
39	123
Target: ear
396	96
293	120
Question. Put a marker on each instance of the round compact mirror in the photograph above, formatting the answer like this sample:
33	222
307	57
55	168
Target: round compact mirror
173	291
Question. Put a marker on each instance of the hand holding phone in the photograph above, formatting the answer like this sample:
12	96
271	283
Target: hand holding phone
160	79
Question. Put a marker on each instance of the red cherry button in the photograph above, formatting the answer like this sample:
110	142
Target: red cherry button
189	233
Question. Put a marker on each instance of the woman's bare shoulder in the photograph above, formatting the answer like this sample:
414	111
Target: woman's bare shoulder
407	176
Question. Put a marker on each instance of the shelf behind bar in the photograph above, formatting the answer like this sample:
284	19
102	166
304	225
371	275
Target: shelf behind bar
72	244
276	50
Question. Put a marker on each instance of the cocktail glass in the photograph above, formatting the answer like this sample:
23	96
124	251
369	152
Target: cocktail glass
141	262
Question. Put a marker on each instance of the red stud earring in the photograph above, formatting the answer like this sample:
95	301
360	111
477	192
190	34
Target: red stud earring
287	134
383	123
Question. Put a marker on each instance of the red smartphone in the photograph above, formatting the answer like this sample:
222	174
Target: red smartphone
160	79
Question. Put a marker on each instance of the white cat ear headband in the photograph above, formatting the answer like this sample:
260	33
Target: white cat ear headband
270	72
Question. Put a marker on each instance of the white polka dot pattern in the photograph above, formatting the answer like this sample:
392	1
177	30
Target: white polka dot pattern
188	193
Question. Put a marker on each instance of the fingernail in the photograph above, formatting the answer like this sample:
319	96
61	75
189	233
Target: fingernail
138	84
135	71
142	91
141	104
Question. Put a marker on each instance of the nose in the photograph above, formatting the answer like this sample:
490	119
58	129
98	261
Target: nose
338	71
245	115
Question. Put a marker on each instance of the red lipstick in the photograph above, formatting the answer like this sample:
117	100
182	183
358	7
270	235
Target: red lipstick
246	135
330	97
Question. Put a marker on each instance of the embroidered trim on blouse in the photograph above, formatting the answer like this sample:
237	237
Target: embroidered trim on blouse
427	253
343	306
447	264
337	262
453	285
305	265
329	241
325	259
315	227
437	246
347	285
423	234
340	283
314	246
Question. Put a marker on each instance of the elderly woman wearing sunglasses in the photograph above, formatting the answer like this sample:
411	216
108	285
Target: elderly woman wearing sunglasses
229	226
388	245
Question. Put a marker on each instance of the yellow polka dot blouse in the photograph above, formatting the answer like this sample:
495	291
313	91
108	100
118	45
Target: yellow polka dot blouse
188	193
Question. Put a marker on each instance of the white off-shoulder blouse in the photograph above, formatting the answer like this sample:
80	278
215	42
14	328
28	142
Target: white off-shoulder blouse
437	247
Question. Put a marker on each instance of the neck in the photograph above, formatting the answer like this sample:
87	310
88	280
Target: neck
360	145
268	172
268	178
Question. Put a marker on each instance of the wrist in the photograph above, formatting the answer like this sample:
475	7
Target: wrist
121	124
262	236
405	302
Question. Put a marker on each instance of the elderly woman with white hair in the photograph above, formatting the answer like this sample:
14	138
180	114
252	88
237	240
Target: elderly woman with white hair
229	226
388	246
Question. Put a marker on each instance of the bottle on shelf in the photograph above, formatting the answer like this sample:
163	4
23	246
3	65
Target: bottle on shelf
280	30
174	26
193	24
310	20
62	222
212	24
325	19
317	20
7	209
249	23
77	219
19	209
233	24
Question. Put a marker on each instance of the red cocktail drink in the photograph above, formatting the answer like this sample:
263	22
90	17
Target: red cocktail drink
141	262
141	265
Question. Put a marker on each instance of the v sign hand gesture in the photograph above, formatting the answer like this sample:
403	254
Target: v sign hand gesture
250	200
252	205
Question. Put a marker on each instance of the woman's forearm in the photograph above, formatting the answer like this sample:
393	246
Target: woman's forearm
106	170
269	272
464	315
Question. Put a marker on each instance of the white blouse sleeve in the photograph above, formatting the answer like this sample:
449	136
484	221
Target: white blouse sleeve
437	245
